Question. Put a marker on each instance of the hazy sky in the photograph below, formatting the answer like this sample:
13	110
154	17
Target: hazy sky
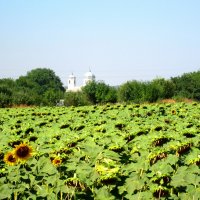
119	40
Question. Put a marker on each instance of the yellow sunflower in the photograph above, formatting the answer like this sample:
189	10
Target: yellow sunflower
23	152
57	161
10	159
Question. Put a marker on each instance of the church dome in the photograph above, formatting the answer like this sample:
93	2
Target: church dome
71	75
89	75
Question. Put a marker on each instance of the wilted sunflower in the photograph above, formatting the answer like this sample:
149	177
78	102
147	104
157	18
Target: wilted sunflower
10	158
56	161
23	152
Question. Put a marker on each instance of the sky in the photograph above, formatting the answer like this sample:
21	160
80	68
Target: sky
119	40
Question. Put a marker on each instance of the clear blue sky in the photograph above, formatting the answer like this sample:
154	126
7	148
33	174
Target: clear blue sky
119	40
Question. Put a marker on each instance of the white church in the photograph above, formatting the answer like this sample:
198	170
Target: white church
71	83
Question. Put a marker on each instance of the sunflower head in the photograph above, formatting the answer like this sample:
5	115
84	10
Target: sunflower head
23	152
173	112
56	161
10	159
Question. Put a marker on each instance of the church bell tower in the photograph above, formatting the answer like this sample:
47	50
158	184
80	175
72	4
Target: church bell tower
71	82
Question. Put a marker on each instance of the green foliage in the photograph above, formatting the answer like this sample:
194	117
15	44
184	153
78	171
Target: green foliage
42	87
52	96
90	91
188	85
6	92
136	91
75	99
159	89
99	92
104	93
39	87
25	97
132	91
44	79
113	151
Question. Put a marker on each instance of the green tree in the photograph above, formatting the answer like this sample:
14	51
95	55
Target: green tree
43	86
132	91
105	93
160	88
25	96
51	97
99	92
90	91
138	92
187	85
111	96
76	99
5	97
6	92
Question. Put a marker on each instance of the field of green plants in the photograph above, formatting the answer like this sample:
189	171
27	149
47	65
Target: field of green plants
149	151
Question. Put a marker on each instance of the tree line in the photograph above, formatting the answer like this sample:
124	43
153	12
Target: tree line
41	87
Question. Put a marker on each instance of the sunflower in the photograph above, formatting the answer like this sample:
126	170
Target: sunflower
173	112
23	152
10	158
57	161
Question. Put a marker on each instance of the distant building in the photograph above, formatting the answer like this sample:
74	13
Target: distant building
71	83
89	76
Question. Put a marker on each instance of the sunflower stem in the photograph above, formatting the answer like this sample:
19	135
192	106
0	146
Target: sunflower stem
15	195
61	195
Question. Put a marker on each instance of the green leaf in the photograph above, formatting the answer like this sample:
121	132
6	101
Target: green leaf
192	194
171	159
133	185
5	191
162	168
177	181
193	179
42	190
103	193
45	166
140	195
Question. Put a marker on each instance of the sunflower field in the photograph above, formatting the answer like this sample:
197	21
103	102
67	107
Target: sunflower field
108	152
